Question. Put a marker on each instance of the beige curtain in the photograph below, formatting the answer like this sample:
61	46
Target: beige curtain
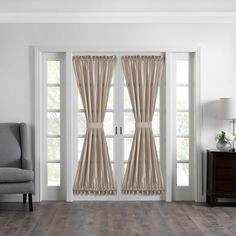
93	75
143	174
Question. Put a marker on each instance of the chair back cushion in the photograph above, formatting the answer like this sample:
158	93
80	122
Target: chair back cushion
10	148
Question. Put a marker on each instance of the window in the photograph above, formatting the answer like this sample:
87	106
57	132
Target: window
183	118
182	121
52	126
53	123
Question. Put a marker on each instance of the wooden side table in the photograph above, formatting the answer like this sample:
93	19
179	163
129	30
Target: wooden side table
221	175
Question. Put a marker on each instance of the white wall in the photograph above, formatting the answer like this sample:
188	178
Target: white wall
115	5
17	59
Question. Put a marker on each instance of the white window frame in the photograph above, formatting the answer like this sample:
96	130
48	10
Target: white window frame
183	192
51	192
71	108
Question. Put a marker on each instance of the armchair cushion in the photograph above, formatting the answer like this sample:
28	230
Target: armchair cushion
15	175
24	187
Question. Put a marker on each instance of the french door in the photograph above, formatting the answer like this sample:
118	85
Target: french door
64	127
119	127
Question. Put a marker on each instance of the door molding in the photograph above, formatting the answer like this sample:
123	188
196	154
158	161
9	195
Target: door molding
199	74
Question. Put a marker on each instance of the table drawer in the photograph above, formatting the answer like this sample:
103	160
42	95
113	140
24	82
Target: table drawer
225	186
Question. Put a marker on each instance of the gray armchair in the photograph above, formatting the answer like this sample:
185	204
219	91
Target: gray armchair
16	174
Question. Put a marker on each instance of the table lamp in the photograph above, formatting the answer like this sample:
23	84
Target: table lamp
227	109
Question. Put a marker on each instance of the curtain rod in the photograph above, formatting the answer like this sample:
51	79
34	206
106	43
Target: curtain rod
118	53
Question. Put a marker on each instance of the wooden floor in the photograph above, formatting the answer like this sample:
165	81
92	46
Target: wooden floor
116	219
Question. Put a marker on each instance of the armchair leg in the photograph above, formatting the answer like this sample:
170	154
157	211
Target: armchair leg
24	198
30	202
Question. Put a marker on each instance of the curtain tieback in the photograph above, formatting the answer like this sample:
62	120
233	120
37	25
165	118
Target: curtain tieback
143	124
94	125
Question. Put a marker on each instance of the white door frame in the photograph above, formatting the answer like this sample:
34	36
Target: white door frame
50	192
119	138
199	75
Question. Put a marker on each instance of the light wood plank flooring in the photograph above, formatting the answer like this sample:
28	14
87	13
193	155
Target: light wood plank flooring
116	219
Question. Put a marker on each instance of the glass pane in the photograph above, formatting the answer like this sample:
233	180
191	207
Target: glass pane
53	72
182	99
53	123
112	80
182	149
108	123
182	119
182	174
128	144
124	80
157	142
53	149
127	102
182	72
156	123
53	97
110	102
80	104
125	166
53	174
129	123
112	167
110	144
80	143
81	123
157	106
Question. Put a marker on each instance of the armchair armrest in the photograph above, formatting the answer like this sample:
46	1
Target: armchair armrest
27	164
26	161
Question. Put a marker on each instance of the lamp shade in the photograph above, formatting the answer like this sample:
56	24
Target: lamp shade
227	108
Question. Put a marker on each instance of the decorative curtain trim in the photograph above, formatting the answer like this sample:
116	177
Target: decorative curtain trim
143	173
94	174
143	124
94	125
